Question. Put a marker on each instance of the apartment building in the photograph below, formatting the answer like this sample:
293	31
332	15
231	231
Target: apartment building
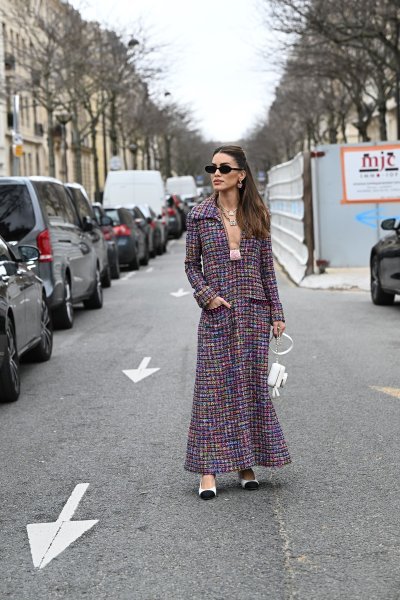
33	122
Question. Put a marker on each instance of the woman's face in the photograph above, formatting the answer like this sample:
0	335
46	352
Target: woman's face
225	182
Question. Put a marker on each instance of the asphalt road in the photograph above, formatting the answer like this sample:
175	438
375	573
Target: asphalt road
324	528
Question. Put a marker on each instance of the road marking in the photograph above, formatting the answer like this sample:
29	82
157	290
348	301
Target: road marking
127	276
142	371
395	392
149	270
181	292
48	540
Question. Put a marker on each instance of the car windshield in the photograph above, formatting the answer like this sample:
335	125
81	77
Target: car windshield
114	215
16	212
145	210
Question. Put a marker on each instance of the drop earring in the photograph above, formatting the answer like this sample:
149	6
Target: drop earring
240	184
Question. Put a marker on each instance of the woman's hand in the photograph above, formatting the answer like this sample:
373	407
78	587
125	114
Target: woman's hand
279	328
217	302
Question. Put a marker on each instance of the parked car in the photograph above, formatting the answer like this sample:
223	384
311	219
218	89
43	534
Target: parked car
175	224
157	230
184	190
144	226
86	215
38	211
130	239
131	188
135	188
385	265
105	223
25	322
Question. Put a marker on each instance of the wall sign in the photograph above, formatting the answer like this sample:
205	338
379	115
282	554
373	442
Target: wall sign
371	173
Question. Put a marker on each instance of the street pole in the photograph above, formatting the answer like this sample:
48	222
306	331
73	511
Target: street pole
398	99
16	136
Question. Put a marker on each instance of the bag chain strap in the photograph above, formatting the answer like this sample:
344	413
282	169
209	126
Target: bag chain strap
277	344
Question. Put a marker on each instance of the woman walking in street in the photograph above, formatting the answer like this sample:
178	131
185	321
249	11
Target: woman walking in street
229	265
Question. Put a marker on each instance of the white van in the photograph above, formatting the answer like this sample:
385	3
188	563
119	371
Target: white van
131	188
184	186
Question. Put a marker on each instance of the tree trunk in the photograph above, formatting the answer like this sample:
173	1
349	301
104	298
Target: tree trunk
93	135
362	123
113	127
343	128
332	129
77	152
167	162
50	143
382	119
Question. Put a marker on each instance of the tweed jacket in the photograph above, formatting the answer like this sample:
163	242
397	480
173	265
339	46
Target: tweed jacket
210	271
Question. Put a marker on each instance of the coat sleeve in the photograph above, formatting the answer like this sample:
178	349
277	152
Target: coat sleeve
269	280
202	292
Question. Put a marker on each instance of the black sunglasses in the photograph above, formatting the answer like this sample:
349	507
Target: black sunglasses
223	169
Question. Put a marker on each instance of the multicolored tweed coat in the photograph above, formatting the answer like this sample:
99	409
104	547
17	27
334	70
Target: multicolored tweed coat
234	425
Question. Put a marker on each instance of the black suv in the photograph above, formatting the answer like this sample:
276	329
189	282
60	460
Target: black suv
38	211
385	265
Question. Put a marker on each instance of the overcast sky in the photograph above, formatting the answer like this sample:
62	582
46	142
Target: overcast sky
215	66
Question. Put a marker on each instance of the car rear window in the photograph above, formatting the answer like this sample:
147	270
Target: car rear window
17	218
114	215
82	205
56	202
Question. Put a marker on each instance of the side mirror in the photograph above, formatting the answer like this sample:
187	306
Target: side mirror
87	224
106	221
389	224
28	253
149	220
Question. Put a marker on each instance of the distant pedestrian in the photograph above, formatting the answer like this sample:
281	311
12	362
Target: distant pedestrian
230	266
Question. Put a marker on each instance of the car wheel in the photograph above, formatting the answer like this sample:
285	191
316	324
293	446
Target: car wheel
378	296
63	315
115	269
160	249
9	373
145	259
43	350
95	300
134	264
106	279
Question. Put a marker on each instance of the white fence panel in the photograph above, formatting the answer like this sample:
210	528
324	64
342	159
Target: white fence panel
286	203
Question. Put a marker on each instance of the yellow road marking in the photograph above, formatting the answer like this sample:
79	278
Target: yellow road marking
395	392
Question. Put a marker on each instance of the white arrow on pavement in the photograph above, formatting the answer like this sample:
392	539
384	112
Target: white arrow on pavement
48	540
181	292
142	371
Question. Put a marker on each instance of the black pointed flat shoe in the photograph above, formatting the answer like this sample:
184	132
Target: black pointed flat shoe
208	493
249	484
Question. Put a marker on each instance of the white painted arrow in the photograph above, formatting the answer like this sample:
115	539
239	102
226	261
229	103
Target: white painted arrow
48	540
181	292
142	371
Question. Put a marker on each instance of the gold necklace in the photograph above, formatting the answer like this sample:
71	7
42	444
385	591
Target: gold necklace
228	214
231	213
232	220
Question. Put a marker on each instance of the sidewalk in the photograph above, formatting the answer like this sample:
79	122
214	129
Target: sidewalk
339	279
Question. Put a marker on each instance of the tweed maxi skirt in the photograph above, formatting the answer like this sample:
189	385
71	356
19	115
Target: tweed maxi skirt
234	425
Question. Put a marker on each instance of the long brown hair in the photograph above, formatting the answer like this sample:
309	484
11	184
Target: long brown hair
252	215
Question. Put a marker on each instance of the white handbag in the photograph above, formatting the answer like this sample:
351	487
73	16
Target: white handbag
278	376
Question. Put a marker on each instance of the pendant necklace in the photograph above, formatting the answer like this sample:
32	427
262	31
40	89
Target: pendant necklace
230	215
234	253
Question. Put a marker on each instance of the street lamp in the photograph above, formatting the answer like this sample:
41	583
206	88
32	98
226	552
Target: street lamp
63	119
